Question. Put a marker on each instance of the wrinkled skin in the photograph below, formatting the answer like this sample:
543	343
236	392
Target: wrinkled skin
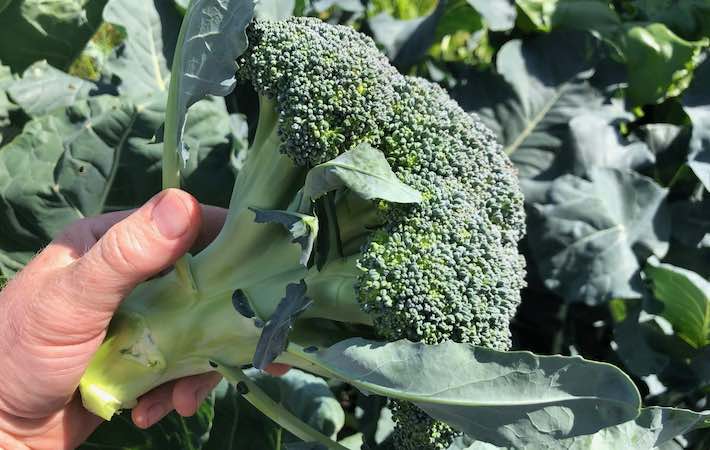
54	315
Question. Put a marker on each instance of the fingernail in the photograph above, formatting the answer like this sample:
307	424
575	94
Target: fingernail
140	421
170	216
155	413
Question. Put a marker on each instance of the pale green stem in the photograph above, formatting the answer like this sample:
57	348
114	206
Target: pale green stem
171	163
261	401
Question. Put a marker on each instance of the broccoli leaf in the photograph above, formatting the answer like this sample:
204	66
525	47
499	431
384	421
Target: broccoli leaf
142	61
365	171
238	425
303	228
33	30
499	14
96	156
505	398
407	41
173	431
685	296
7	106
654	427
43	89
591	233
696	103
273	339
543	84
659	62
597	142
212	36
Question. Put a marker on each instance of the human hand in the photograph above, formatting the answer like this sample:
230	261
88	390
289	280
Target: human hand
54	315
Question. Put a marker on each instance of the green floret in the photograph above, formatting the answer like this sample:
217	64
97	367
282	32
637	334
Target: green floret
435	261
331	86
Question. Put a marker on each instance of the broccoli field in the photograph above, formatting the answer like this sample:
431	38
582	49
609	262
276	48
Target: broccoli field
465	224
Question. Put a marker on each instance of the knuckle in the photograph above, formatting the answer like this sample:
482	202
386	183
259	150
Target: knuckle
122	252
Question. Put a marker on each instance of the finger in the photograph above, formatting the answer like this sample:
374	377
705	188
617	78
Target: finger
75	241
136	248
153	406
213	219
190	392
277	369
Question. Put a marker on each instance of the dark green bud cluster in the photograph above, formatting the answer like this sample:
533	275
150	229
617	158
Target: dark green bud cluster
447	268
331	85
415	430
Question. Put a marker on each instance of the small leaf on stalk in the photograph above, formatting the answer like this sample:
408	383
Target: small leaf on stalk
303	228
241	304
214	37
274	338
365	171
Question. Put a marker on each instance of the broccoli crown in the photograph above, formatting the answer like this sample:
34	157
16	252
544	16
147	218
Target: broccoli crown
447	268
331	85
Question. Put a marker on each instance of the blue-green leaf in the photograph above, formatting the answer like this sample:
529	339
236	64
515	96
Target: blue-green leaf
33	30
499	14
506	398
685	296
212	37
142	61
43	89
274	337
696	102
240	426
365	171
302	228
591	233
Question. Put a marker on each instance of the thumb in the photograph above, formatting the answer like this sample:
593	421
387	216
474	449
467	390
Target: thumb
136	248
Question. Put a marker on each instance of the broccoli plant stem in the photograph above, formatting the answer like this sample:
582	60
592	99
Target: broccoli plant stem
261	401
171	165
171	326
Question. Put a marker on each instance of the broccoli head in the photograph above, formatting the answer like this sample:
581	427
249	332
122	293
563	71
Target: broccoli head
439	265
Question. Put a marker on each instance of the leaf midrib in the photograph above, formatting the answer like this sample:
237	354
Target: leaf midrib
537	118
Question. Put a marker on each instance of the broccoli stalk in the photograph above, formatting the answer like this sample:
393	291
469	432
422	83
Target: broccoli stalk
168	329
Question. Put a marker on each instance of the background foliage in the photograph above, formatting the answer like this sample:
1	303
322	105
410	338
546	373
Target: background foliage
604	107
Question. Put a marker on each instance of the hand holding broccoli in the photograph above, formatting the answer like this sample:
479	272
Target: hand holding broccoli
54	315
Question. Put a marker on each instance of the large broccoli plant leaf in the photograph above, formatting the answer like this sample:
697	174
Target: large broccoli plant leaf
142	61
174	431
43	89
33	30
96	156
653	428
685	299
7	106
240	426
591	233
505	398
659	63
542	84
697	105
